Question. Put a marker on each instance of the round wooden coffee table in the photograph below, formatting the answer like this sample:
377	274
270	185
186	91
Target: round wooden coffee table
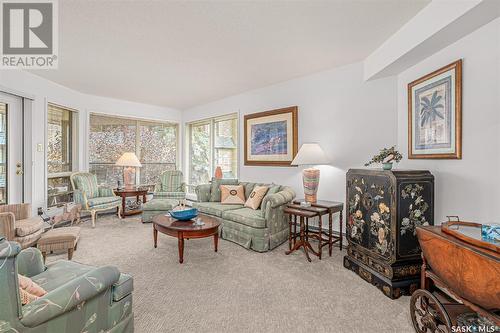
185	230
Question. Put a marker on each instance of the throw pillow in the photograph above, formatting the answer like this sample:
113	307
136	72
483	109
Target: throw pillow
232	195
29	290
26	297
215	187
30	286
256	197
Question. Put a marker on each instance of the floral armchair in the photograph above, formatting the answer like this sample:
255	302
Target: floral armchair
170	186
92	197
79	298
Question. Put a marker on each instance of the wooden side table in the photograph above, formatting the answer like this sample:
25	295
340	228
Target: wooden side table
134	192
323	207
303	242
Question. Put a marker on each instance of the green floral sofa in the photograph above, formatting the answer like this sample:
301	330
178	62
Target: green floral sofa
260	230
79	298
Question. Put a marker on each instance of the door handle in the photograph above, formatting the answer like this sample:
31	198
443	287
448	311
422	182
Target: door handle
19	169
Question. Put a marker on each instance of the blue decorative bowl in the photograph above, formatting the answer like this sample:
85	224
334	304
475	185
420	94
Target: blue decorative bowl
185	214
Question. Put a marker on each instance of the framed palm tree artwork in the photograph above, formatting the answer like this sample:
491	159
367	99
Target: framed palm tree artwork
435	114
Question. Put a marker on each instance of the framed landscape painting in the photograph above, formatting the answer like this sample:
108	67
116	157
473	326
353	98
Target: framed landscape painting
435	114
271	137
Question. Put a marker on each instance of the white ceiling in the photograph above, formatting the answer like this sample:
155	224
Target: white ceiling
182	54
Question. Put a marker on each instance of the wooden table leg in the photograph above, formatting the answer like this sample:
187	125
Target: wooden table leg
144	198
290	232
155	236
303	236
341	223
123	205
307	230
216	241
330	233
181	247
320	237
294	229
70	253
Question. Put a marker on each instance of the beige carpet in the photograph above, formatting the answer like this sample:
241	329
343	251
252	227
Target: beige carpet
236	290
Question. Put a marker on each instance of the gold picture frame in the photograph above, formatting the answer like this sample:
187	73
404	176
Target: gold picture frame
435	114
271	137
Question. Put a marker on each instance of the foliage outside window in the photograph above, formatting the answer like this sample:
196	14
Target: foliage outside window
212	143
60	134
154	143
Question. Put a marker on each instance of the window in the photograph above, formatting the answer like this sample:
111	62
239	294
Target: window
3	153
60	152
154	143
212	143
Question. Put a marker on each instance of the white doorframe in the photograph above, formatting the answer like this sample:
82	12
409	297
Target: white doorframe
14	145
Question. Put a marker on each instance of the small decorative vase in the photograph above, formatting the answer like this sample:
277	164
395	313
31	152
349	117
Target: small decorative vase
387	166
218	173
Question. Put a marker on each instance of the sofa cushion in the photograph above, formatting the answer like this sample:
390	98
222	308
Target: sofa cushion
29	240
59	273
215	187
28	226
272	190
214	208
96	202
160	205
246	216
123	287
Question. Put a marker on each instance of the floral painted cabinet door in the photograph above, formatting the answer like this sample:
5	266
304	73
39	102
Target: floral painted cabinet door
414	208
369	218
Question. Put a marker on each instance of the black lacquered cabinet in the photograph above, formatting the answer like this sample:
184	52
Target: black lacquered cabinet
383	210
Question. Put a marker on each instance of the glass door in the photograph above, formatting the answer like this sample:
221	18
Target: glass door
11	149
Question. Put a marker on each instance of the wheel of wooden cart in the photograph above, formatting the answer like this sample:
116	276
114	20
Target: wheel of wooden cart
428	314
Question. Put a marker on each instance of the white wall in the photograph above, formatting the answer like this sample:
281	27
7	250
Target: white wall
350	118
469	187
45	91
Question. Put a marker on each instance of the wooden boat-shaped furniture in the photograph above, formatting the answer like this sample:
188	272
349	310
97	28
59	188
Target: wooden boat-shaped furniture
460	273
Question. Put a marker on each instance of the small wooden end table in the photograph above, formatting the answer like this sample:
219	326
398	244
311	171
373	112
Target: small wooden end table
185	230
304	216
323	207
134	192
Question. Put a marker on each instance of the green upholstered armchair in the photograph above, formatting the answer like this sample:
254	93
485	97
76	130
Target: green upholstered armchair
94	198
79	298
170	186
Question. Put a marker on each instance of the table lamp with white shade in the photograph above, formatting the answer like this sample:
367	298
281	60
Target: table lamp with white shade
129	162
310	154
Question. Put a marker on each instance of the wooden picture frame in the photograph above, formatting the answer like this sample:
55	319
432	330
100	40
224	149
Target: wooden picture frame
271	137
435	114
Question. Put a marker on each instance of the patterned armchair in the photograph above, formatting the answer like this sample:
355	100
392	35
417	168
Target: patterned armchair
170	186
17	224
92	197
79	298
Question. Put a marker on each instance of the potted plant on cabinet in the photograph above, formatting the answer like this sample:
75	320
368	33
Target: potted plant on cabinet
386	157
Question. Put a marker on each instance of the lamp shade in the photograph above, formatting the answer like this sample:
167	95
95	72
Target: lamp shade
310	154
128	160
